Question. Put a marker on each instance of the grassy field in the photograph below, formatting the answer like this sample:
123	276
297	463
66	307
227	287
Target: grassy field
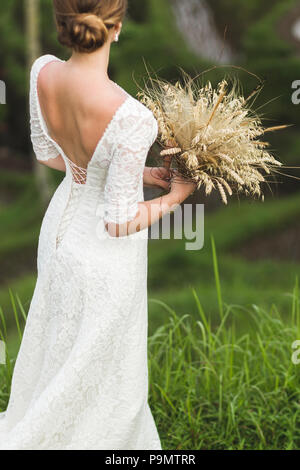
213	386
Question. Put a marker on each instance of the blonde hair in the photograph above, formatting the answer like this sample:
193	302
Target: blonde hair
83	25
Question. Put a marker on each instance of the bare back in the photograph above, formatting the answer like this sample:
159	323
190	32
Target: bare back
77	105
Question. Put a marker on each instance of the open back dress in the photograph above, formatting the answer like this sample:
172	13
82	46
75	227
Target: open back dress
81	375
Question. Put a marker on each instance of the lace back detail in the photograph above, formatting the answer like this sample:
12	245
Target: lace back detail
78	173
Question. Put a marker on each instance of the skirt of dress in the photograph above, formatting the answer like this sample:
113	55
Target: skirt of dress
81	376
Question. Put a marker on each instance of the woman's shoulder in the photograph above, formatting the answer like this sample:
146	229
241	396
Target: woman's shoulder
135	121
135	109
140	108
43	60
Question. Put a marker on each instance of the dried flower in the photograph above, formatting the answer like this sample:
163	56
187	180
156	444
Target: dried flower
214	136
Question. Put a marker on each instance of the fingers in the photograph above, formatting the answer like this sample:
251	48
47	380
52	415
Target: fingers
165	184
162	173
161	177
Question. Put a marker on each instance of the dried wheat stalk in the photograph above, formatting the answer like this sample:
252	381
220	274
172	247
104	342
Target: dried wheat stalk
211	135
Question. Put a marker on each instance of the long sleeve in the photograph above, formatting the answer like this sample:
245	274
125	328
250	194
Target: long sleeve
43	147
125	174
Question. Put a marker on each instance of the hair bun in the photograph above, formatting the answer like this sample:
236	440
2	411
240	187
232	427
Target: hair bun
83	25
85	32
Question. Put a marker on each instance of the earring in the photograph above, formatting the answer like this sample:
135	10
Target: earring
116	37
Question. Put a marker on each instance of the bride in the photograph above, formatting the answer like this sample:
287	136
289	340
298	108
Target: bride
81	376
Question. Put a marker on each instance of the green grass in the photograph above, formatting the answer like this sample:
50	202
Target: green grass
22	287
214	385
212	388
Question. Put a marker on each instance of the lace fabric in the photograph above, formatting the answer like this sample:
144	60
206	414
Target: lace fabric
81	376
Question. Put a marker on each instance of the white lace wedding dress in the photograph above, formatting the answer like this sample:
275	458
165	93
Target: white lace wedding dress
81	376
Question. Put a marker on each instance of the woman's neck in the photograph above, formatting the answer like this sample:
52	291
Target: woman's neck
97	60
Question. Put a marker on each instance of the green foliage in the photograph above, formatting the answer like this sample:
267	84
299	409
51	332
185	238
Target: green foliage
254	31
238	16
13	71
138	11
262	39
273	58
150	44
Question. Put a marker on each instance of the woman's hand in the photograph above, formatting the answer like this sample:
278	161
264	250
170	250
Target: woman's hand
181	188
157	177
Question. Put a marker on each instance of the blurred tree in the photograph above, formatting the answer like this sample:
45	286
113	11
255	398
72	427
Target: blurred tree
13	72
235	17
157	43
138	11
33	52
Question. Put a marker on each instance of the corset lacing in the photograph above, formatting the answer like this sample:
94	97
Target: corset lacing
79	173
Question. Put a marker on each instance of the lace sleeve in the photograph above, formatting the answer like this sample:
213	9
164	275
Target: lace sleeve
42	145
125	173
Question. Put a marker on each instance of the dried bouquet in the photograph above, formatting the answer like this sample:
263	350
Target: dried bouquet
211	136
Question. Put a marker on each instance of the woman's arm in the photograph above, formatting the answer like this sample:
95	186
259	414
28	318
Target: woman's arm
57	163
125	212
151	211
